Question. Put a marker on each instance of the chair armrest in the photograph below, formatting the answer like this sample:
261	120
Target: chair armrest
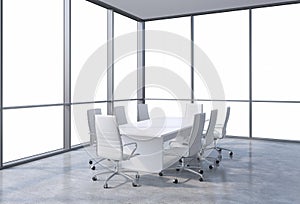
179	143
131	143
135	147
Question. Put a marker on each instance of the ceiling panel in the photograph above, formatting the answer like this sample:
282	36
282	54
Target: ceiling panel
157	9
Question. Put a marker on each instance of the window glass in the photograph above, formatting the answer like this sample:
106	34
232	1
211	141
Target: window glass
125	67
31	131
276	45
89	36
276	120
32	52
224	38
168	71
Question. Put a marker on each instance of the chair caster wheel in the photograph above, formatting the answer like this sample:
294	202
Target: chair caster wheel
175	181
217	161
177	169
200	171
160	174
90	162
94	178
134	184
200	179
93	168
211	167
105	185
230	154
180	160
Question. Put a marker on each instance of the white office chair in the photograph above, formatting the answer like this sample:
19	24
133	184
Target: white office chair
220	133
143	113
110	146
92	132
190	110
190	149
208	139
120	115
193	108
91	122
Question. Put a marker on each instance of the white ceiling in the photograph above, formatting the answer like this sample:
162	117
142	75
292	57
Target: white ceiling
156	9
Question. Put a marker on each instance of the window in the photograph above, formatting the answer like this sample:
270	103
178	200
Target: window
31	131
168	68
275	71
32	75
224	38
125	67
276	45
276	120
89	35
32	52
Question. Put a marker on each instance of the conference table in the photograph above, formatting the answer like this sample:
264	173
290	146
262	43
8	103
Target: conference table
151	137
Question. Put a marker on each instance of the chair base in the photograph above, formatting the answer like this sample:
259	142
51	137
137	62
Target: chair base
93	162
117	171
185	166
220	149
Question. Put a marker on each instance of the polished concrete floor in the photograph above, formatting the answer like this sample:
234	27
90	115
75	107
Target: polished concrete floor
259	172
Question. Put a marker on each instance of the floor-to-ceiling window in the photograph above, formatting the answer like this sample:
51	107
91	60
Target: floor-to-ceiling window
276	63
224	38
32	77
88	54
125	64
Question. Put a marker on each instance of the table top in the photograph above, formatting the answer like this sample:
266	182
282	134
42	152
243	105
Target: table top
156	127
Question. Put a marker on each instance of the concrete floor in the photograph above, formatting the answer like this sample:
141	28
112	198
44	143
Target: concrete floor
260	172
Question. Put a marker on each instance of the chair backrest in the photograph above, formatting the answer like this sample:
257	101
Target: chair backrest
209	136
91	122
225	123
109	142
193	108
195	138
143	113
120	115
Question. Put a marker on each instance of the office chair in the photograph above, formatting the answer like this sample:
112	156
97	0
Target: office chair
110	146
208	140
220	133
91	123
190	149
192	108
120	115
143	113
